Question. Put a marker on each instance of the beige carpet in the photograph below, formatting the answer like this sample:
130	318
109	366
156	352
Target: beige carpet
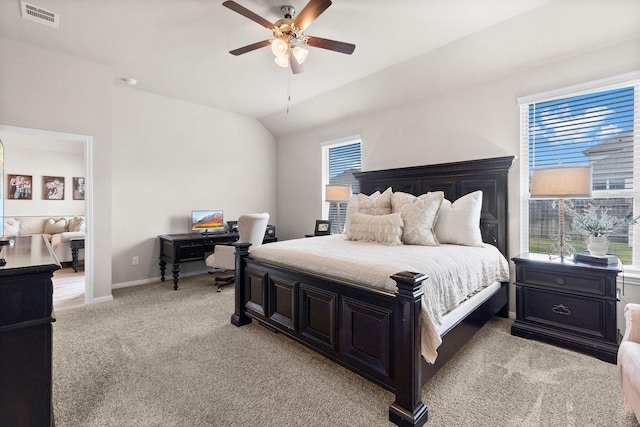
158	357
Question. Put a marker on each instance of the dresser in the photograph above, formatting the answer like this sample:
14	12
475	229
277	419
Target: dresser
26	314
569	304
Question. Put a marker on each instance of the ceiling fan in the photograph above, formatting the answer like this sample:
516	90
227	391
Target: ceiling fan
289	35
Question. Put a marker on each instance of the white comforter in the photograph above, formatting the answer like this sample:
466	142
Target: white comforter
454	272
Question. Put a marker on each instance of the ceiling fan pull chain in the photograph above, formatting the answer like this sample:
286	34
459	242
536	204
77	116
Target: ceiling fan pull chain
288	91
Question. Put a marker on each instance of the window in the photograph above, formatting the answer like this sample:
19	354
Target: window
588	124
339	161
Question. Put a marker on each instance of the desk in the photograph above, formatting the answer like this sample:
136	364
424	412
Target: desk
178	248
76	244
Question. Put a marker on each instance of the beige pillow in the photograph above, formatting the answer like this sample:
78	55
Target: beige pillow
76	223
399	199
11	227
386	229
375	205
55	226
419	217
459	222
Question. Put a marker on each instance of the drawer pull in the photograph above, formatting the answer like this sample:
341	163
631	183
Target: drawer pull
560	280
561	309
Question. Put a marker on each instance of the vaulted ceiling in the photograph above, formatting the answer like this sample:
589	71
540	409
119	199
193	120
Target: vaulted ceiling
405	49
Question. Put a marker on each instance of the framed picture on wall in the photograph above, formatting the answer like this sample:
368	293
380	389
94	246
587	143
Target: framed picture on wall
19	187
78	188
52	188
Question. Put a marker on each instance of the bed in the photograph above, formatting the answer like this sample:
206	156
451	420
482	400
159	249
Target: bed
377	332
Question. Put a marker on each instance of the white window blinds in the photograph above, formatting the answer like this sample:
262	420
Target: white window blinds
340	161
591	124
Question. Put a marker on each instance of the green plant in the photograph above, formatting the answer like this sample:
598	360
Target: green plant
597	222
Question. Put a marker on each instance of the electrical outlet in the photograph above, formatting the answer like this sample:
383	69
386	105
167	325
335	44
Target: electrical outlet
134	260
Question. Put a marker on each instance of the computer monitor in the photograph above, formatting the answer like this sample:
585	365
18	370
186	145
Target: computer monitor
207	221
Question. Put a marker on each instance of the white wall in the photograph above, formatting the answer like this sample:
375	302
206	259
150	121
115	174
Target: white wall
480	121
170	157
38	163
49	91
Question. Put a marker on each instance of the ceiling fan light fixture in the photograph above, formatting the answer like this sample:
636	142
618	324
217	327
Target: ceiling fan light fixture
282	61
300	54
279	47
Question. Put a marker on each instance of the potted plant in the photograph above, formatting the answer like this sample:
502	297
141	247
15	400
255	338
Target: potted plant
596	223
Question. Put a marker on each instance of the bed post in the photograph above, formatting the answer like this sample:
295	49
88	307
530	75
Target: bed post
239	318
408	408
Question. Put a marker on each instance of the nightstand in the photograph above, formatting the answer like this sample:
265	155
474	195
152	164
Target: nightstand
569	304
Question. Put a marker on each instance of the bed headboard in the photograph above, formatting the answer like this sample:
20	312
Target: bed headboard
455	179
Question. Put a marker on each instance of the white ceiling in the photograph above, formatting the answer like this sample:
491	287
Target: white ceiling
406	49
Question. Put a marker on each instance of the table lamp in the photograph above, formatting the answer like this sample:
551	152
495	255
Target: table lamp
338	194
561	182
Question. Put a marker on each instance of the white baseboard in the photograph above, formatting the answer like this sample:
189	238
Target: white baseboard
155	279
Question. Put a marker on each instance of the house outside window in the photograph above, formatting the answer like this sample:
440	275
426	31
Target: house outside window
593	125
339	162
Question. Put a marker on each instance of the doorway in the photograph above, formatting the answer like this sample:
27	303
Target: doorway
65	141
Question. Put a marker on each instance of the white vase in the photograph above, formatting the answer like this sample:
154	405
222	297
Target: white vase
598	246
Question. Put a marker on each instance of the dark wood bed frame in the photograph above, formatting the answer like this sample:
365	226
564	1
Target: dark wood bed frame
375	333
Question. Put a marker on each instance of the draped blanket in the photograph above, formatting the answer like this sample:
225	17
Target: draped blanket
454	273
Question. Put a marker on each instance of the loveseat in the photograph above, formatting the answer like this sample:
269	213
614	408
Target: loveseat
58	231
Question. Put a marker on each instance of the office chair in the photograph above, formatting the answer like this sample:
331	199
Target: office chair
251	228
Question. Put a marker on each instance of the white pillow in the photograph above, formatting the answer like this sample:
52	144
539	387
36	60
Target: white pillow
76	224
353	207
385	229
419	217
11	227
55	226
375	204
458	223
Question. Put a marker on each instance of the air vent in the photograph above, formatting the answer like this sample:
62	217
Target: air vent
38	14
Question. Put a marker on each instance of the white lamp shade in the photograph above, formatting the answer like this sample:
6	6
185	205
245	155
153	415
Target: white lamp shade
337	193
300	54
561	182
282	61
279	47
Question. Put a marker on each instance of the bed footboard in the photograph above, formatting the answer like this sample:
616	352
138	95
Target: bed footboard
373	333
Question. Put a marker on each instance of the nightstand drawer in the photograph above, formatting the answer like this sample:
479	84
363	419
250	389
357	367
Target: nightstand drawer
575	314
564	280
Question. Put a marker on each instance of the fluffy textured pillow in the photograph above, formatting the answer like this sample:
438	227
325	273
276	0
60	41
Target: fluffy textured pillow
419	217
375	205
76	224
399	199
55	226
11	227
459	222
386	229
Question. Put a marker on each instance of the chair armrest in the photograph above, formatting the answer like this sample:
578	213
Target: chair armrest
632	316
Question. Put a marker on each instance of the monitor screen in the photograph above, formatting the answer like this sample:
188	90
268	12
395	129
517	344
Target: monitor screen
207	220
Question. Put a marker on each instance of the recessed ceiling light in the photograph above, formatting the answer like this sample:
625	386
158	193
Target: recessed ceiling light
129	81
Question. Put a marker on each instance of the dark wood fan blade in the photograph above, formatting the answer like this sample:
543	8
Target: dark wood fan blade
334	45
250	47
310	12
248	14
296	67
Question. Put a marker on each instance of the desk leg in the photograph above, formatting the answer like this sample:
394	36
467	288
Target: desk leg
163	265
74	259
176	274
